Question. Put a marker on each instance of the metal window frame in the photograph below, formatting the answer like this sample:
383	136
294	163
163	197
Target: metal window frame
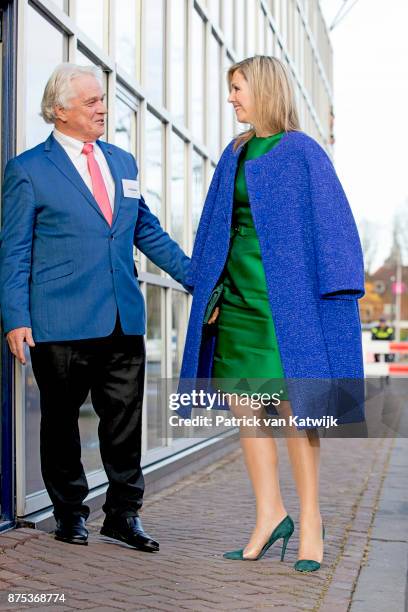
8	118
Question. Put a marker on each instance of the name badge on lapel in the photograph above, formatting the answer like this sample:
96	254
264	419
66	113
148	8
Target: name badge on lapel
131	188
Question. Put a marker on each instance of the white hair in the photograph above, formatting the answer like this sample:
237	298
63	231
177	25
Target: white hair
58	90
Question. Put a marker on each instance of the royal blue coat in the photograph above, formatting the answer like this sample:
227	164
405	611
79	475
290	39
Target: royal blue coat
64	271
313	264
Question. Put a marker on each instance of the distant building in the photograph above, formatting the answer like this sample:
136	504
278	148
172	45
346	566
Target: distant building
380	286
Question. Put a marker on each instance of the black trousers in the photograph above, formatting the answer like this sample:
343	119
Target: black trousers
112	369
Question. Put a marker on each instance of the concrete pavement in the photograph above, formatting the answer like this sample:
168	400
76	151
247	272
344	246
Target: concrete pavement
364	505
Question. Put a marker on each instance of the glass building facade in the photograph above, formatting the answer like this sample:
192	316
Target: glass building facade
164	64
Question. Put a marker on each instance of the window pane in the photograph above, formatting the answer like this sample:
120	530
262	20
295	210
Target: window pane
84	60
269	41
261	32
125	131
154	353
177	55
214	10
239	28
178	329
250	23
177	189
277	13
228	21
88	430
227	108
198	190
197	98
45	50
154	163
154	172
214	102
62	4
126	35
34	481
154	50
89	16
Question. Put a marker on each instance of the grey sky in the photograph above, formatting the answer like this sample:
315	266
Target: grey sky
371	104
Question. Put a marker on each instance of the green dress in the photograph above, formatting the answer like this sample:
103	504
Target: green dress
246	346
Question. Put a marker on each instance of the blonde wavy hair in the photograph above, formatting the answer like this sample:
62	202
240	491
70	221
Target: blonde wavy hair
272	90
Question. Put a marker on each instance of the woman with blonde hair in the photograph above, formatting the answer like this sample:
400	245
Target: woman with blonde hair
277	270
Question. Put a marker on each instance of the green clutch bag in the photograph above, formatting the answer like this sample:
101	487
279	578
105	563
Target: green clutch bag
213	301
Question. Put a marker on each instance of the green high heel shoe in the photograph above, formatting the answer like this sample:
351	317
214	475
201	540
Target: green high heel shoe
283	530
307	565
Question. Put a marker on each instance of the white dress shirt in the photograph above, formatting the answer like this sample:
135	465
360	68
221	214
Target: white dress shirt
73	148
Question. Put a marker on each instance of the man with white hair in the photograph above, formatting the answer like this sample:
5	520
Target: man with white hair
72	212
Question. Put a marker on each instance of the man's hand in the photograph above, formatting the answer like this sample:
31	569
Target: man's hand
214	315
16	338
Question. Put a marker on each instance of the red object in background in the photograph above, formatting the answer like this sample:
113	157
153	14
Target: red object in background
398	288
398	347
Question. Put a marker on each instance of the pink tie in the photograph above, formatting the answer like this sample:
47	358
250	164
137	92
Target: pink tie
98	184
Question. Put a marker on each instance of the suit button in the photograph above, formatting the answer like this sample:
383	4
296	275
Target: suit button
111	271
112	237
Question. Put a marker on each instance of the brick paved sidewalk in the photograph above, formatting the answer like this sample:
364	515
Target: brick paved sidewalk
195	521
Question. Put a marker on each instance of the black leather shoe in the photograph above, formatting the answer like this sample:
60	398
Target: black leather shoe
72	530
130	530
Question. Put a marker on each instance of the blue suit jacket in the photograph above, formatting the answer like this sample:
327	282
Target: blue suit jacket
64	271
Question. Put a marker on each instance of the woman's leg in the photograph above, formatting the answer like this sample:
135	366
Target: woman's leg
304	453
261	459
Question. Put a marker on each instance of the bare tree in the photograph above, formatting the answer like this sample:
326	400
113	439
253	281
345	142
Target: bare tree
368	231
401	230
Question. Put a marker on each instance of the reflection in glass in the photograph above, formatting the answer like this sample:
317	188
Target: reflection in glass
197	97
154	50
126	35
177	189
178	329
214	101
197	190
45	50
89	17
154	172
125	136
177	55
154	353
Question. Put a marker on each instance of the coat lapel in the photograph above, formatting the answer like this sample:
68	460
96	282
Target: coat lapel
229	184
61	160
57	155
